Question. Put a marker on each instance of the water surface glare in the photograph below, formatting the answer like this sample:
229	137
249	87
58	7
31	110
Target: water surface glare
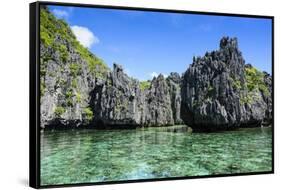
81	156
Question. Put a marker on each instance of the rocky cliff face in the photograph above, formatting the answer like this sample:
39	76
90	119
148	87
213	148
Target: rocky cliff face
218	90
119	101
68	73
77	88
116	100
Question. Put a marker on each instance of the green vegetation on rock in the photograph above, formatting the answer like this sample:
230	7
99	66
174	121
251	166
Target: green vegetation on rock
74	83
246	99
88	113
145	85
68	95
51	27
59	111
42	87
97	67
236	84
78	97
63	52
255	80
61	82
74	69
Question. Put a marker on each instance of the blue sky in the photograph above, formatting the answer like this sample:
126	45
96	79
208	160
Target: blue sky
149	43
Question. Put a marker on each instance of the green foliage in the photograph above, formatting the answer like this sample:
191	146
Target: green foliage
44	59
68	95
42	71
59	111
46	38
50	27
63	52
78	97
246	99
88	113
74	69
74	83
255	80
62	82
47	27
237	84
97	67
52	74
264	89
42	87
145	85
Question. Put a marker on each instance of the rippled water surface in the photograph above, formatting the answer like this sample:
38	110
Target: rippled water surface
81	156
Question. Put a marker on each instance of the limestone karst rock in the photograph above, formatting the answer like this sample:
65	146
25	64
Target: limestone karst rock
217	91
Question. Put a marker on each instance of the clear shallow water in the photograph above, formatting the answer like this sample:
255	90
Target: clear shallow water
82	156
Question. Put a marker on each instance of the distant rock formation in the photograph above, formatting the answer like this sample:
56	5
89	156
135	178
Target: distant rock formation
119	101
218	90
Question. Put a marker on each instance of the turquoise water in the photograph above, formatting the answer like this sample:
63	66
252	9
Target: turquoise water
80	156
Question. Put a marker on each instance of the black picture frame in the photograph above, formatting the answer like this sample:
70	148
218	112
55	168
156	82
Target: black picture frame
34	92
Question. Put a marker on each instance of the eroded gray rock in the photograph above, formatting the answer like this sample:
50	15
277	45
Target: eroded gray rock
215	92
218	91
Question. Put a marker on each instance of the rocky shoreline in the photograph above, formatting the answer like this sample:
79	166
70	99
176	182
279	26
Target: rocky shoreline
218	91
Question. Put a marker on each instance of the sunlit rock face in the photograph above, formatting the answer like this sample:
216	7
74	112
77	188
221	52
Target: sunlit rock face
219	91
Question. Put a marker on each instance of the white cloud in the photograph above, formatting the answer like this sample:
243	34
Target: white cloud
60	13
153	74
84	36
